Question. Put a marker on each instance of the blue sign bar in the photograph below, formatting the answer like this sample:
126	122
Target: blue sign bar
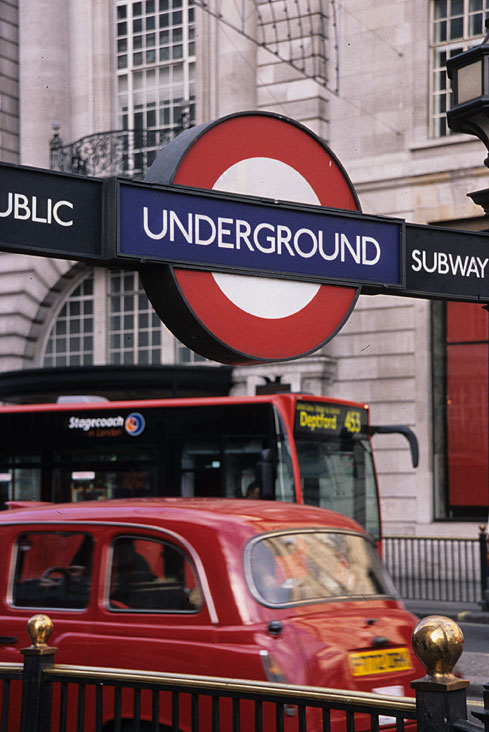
223	232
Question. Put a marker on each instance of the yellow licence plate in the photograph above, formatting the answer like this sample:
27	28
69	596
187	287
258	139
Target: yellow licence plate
382	661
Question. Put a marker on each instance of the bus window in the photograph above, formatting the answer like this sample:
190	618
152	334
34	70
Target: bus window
201	468
243	459
20	484
103	470
339	475
95	485
226	467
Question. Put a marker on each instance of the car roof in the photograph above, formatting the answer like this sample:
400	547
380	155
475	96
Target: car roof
258	515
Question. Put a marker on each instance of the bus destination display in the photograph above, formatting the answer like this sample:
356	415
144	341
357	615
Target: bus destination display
329	419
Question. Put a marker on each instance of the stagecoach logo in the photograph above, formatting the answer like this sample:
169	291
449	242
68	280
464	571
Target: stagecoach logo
134	424
90	423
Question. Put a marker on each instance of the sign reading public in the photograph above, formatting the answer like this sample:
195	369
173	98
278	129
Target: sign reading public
310	244
42	212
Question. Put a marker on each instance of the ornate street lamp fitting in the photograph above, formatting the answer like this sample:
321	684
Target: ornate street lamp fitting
469	74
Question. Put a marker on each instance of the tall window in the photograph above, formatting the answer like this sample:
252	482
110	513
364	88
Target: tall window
135	329
155	76
460	410
456	25
108	319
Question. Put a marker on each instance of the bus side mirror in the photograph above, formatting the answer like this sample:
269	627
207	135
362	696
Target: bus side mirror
265	472
401	429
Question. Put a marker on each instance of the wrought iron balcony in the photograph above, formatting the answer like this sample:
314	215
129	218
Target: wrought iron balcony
116	152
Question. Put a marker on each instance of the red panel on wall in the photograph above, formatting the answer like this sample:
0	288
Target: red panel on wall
466	323
467	417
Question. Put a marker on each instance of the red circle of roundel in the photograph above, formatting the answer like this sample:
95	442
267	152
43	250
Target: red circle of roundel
253	135
267	339
241	336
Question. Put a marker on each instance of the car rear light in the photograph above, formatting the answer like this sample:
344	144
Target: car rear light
275	673
272	668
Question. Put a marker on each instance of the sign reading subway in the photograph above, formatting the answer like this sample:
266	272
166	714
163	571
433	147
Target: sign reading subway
306	242
438	265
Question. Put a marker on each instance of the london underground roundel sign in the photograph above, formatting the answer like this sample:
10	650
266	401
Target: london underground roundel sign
240	319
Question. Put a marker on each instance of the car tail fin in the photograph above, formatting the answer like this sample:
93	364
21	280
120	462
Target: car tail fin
276	674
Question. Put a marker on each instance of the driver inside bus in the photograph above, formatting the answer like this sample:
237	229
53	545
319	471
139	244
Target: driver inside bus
253	490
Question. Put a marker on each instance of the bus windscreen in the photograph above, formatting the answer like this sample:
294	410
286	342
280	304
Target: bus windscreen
335	461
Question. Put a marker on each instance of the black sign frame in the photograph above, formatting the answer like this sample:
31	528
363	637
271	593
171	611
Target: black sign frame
265	204
93	235
40	232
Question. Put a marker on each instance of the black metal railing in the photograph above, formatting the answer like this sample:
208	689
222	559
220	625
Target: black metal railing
115	152
438	568
62	697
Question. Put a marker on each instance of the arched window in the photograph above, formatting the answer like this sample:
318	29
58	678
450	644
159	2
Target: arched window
108	319
70	341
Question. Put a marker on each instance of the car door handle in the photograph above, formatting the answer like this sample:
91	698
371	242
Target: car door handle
8	640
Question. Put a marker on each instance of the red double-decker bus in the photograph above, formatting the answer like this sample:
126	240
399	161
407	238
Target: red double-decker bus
284	447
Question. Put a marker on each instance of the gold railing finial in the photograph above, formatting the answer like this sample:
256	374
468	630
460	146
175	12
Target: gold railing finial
438	642
39	628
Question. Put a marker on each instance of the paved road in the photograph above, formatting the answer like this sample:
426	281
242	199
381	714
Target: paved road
474	663
474	705
476	638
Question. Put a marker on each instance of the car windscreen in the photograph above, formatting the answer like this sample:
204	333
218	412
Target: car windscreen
314	566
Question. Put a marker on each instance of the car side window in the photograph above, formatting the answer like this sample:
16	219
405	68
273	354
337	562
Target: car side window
53	570
148	575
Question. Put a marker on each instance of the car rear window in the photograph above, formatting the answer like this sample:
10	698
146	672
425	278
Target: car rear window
53	570
313	566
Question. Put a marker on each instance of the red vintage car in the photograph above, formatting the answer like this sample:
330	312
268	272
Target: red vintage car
253	590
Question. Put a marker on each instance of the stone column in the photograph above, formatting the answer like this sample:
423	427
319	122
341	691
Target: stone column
92	90
44	77
226	59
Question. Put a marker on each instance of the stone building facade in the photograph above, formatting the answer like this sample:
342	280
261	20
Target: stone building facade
366	76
